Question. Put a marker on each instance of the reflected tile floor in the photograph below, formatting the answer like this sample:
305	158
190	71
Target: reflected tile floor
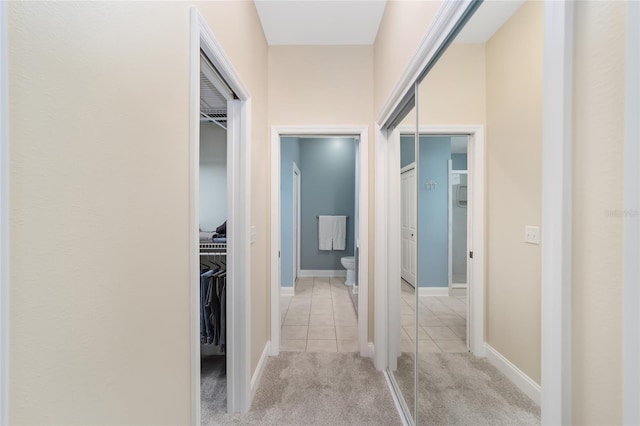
442	322
319	318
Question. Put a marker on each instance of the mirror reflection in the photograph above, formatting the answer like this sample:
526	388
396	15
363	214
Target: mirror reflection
489	78
402	297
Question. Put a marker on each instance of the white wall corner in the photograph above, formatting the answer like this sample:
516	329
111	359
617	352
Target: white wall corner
631	298
257	375
513	373
4	219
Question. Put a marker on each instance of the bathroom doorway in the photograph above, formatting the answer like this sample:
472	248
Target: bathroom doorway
319	247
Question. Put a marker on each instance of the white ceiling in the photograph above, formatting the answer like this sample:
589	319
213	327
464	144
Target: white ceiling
344	22
490	16
320	22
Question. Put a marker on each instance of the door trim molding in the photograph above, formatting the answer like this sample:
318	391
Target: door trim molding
406	169
363	202
450	225
631	222
476	203
556	213
4	218
239	205
296	234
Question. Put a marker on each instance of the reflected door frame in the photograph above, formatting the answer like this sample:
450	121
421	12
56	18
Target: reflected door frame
296	222
475	221
409	274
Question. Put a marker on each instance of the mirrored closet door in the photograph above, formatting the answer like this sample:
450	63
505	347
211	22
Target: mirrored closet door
403	280
433	147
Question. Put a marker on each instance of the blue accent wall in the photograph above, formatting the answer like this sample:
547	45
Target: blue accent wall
328	169
459	161
407	150
433	204
289	153
433	212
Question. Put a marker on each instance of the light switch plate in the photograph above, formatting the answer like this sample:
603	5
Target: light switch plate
532	234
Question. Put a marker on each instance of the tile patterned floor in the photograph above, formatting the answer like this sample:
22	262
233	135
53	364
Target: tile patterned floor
442	322
319	318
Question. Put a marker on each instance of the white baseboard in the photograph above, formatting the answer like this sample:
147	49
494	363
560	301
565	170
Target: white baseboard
458	291
308	273
287	291
257	375
513	373
433	291
371	351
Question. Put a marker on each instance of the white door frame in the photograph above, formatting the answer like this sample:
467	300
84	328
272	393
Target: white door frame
475	221
452	289
296	229
239	207
632	221
450	233
404	170
556	194
363	202
4	218
556	251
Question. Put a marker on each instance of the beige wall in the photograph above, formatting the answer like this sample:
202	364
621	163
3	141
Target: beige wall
320	85
514	187
99	128
599	76
401	29
325	85
453	93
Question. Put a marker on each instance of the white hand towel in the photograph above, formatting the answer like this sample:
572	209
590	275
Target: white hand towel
325	232
339	232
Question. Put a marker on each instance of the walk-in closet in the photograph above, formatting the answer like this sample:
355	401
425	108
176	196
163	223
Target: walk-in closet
213	241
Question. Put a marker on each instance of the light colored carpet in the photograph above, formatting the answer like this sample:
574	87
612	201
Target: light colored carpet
461	389
213	385
305	388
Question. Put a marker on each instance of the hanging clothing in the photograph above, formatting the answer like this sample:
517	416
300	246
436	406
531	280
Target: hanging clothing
206	332
213	307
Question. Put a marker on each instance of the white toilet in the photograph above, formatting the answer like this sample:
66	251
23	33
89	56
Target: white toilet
349	263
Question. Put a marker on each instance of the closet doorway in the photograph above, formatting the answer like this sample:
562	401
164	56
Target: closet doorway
219	206
306	326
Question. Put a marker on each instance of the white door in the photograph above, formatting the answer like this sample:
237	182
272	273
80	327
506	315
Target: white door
296	224
409	219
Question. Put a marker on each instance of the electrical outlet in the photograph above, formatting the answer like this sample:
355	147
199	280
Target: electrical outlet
532	234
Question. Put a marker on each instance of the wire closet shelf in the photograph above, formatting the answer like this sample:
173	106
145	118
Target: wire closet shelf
213	249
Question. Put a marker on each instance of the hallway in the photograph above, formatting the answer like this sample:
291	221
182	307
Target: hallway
345	389
319	318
